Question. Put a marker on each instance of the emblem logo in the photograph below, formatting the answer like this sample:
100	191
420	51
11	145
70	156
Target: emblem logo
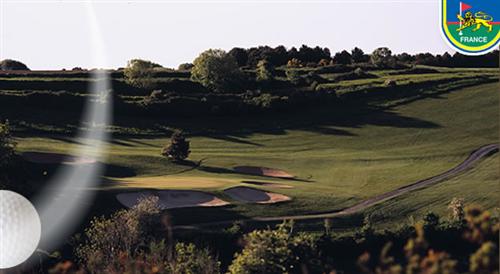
472	28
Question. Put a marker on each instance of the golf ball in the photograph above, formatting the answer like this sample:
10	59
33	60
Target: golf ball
20	229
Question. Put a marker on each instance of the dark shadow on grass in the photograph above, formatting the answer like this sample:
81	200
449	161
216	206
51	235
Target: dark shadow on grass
234	139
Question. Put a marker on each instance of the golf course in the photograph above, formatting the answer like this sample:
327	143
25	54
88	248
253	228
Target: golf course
318	160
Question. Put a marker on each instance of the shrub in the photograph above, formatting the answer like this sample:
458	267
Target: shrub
273	251
456	208
139	73
125	243
382	57
178	149
9	64
185	66
294	63
190	260
293	76
265	71
324	62
358	56
390	83
7	144
215	69
107	240
343	58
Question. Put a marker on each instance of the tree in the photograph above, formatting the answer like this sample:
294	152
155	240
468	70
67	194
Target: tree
139	73
404	58
185	66
216	69
265	71
240	55
382	57
273	251
343	58
358	56
7	144
9	64
126	243
178	150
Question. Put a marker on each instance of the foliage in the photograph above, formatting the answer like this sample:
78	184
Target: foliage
456	208
358	56
343	58
190	260
122	234
273	251
216	69
126	243
422	257
265	71
293	76
178	149
240	55
185	66
9	64
7	144
139	73
294	63
382	57
324	62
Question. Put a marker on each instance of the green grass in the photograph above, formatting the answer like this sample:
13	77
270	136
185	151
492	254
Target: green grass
348	155
476	186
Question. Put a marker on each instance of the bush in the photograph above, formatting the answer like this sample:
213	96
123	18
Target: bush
123	233
125	243
9	64
215	69
294	63
293	76
185	66
273	251
139	73
390	83
382	57
343	58
178	149
265	71
7	144
324	62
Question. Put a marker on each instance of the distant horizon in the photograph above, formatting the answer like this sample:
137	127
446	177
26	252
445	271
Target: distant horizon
56	36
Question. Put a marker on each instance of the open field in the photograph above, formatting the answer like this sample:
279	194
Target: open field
341	158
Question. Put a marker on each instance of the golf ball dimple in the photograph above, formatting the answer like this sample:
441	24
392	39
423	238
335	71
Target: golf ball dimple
20	229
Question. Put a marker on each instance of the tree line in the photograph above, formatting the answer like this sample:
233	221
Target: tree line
318	56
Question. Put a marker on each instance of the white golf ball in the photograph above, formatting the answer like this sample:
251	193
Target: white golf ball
20	229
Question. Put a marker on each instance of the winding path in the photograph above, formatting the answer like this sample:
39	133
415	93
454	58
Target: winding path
473	158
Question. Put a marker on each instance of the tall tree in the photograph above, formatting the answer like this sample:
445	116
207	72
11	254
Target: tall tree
216	69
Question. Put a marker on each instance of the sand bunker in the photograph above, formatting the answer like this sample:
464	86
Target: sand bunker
264	171
55	158
252	195
267	184
173	198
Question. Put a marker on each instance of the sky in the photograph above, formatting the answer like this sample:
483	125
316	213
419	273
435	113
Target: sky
58	34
